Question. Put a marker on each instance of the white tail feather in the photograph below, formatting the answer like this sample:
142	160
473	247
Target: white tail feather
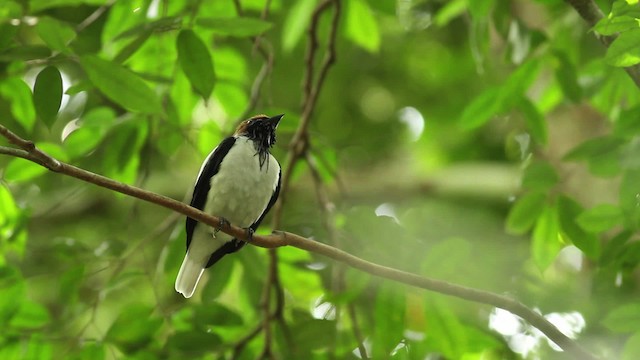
189	275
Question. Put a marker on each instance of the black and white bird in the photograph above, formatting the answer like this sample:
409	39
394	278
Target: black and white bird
239	181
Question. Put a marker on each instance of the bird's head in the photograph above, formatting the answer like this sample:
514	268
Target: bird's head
261	129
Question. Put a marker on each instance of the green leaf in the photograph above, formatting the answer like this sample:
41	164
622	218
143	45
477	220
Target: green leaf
30	316
237	26
21	170
481	109
121	85
525	212
534	119
600	218
546	244
194	342
567	76
47	94
56	34
17	92
13	287
134	328
214	314
625	318
519	81
624	50
613	25
631	347
26	52
195	61
217	281
92	128
593	148
296	22
450	11
568	211
361	26
132	47
614	249
539	176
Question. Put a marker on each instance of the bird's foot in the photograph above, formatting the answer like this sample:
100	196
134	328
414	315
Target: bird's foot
249	232
222	223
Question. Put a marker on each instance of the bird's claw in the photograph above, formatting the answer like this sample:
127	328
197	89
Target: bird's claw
222	223
249	234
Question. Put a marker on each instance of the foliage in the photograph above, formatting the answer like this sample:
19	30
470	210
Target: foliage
489	143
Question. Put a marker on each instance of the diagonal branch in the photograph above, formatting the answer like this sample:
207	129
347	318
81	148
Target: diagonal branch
278	239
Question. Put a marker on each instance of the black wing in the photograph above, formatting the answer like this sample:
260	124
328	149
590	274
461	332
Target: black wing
235	244
203	183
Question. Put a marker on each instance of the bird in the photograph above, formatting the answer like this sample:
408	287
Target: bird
239	181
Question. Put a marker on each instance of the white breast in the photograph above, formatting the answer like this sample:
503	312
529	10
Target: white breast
241	190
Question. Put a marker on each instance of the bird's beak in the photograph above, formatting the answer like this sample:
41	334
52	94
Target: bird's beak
275	120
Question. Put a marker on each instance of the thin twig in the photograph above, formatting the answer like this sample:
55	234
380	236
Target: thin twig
278	239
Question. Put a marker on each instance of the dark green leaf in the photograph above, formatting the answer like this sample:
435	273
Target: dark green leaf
450	11
134	328
47	94
195	61
121	85
624	50
389	326
614	248
296	22
535	120
7	34
311	334
132	47
525	212
594	147
613	25
361	26
628	123
56	34
600	218
217	281
27	52
142	30
194	342
568	211
539	176
17	92
13	287
546	243
625	318
237	26
214	314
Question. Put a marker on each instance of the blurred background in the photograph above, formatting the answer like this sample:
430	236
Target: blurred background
488	143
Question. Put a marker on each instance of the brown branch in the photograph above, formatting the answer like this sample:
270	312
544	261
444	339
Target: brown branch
591	13
280	238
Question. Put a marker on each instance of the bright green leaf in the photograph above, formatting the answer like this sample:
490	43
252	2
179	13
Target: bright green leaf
624	50
30	316
361	26
481	109
132	47
600	218
539	176
613	25
450	11
515	87
17	92
121	85
631	347
296	22
546	244
237	26
56	34
525	212
47	94
195	61
568	211
535	120
625	318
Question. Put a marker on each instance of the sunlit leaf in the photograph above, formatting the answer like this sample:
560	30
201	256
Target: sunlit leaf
625	318
17	92
568	211
525	212
21	170
545	244
481	109
13	287
236	26
30	315
296	22
450	11
361	26
132	47
195	61
55	33
92	127
39	5
631	347
613	25
624	50
121	85
47	94
600	218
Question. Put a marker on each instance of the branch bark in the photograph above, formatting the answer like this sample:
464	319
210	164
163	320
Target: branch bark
281	238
